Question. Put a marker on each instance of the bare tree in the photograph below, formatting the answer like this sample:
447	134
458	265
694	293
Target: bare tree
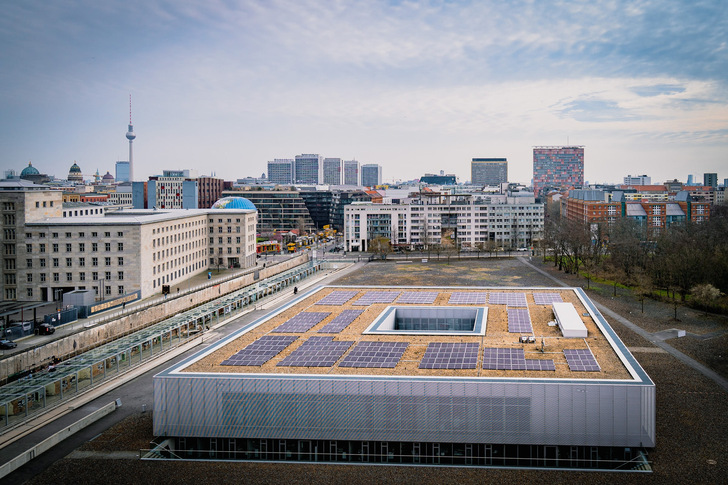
380	245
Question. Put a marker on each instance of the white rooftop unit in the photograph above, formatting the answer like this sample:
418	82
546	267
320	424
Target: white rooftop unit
569	320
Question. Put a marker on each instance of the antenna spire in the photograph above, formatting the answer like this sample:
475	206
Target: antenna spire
129	108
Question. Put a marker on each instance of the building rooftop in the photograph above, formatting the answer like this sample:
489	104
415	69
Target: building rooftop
415	332
130	217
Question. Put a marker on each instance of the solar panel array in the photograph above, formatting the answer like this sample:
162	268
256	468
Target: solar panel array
371	297
302	322
261	351
337	298
510	299
540	364
422	297
316	352
443	355
546	298
504	359
581	360
468	297
341	321
375	354
519	321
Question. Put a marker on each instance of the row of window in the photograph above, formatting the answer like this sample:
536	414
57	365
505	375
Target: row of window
69	277
107	291
69	235
82	212
55	247
177	262
55	262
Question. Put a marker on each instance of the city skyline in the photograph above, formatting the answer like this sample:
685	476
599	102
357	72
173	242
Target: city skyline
411	86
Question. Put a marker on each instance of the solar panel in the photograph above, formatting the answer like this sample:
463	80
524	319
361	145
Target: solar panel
341	321
504	359
546	298
540	364
421	297
510	299
302	322
581	360
316	352
371	297
261	351
519	321
468	297
337	298
375	354
444	355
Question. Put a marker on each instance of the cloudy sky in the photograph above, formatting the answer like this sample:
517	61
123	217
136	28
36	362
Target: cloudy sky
416	86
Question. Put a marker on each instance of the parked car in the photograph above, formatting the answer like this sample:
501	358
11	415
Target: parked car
45	329
7	344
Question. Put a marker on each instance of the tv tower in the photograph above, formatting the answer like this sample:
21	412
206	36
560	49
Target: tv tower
130	136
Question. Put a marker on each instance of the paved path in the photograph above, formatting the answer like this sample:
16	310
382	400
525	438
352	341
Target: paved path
650	337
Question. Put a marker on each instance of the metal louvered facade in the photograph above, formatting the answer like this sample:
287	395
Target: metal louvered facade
388	409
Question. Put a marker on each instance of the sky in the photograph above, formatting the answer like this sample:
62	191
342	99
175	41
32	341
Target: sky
223	86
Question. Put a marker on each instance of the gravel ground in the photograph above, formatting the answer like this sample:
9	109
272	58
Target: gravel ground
692	412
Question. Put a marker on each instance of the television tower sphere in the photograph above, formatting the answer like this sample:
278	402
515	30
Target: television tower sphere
130	134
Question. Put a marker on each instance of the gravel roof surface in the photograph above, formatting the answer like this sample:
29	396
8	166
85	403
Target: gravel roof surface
497	335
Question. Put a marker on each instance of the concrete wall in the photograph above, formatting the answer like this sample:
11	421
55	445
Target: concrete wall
92	337
54	439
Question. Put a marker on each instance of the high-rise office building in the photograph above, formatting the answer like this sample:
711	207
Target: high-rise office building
308	169
281	171
333	171
352	172
489	171
371	175
122	172
557	166
710	179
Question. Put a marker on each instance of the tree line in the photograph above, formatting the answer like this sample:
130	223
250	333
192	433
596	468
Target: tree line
683	259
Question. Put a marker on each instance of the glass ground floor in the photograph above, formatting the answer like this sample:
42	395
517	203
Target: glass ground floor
402	453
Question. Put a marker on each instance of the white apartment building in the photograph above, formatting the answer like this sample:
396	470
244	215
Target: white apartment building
460	221
113	253
122	195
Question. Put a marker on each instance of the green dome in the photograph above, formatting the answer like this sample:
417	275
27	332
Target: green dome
29	170
75	168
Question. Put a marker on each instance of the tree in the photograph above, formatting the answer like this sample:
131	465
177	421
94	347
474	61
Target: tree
626	248
643	286
380	245
705	294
